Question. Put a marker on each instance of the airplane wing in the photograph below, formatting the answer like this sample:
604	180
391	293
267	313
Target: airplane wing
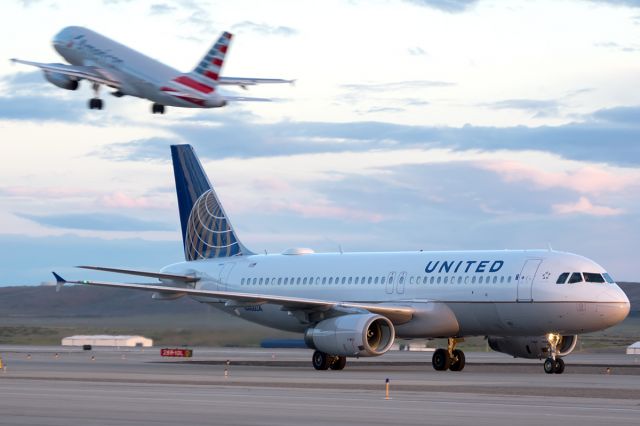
244	99
92	74
396	313
243	82
174	277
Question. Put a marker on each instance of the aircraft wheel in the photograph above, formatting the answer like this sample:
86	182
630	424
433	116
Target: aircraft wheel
549	366
440	360
559	367
339	363
95	103
157	109
458	361
320	360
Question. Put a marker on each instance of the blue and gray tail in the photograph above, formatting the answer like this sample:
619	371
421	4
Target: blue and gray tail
206	230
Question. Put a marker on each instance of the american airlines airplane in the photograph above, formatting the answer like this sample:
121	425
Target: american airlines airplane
102	61
529	303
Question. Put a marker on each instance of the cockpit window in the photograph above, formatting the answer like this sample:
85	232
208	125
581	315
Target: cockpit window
592	277
562	278
608	278
576	277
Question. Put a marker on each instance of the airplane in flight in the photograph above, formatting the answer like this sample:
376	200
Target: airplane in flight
529	303
102	61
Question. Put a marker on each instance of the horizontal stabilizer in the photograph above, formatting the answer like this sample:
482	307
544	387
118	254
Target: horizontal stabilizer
158	275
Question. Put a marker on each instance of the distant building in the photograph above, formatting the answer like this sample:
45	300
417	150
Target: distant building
634	349
105	340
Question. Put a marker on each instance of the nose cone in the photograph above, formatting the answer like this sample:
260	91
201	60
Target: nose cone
618	310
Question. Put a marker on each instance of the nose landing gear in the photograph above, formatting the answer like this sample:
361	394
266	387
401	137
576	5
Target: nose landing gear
157	108
553	364
449	359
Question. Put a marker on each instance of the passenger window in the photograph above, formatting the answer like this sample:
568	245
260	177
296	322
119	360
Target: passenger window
480	279
279	281
459	280
349	280
562	278
324	280
576	277
330	280
260	282
401	280
509	279
446	280
502	279
495	279
592	277
439	279
473	279
411	279
242	281
371	280
432	280
466	279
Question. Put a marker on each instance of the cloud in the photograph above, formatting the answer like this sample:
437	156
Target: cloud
161	9
120	200
538	107
584	179
264	29
417	51
28	3
625	3
615	46
584	206
619	115
451	6
96	222
396	85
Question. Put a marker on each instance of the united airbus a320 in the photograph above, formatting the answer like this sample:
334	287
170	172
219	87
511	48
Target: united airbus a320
529	303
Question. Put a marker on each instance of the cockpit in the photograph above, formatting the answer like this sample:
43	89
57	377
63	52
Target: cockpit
584	277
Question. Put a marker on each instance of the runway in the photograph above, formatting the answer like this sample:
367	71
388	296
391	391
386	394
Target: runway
57	386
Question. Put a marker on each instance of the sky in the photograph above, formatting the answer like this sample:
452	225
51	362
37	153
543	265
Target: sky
412	124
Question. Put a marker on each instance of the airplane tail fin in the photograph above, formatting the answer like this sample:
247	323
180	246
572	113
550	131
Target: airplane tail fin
206	231
210	66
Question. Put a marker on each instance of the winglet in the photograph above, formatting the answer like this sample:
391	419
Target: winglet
59	281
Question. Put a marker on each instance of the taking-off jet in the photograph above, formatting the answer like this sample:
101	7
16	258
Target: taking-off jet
102	61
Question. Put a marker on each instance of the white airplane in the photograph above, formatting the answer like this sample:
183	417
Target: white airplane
102	61
530	303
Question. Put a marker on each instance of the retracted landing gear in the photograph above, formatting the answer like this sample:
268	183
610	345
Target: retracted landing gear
449	359
95	102
553	364
323	361
157	108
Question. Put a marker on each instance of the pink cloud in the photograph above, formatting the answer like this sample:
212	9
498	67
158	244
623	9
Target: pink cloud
585	180
52	192
326	210
123	201
584	206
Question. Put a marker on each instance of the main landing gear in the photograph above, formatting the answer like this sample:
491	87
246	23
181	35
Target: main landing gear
450	358
95	102
323	361
157	109
553	364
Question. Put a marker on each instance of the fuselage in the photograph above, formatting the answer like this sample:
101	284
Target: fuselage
138	74
456	293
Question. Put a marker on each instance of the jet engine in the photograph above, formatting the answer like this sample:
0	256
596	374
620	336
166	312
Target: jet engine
61	80
352	335
531	346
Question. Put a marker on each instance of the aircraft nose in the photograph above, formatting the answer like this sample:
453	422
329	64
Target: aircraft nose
619	310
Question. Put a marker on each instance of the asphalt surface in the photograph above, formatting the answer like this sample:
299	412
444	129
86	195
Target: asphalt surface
62	386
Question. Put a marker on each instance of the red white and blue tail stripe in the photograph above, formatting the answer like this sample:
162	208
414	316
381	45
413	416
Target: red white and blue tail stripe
202	81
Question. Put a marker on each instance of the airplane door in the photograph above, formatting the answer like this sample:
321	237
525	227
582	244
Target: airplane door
390	282
223	277
525	280
400	286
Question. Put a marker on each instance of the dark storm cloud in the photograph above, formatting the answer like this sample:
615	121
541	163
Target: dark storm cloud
96	222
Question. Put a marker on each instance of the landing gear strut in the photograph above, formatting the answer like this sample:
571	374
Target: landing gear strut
553	364
95	102
323	361
449	359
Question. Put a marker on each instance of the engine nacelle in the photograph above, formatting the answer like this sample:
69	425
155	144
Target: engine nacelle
531	346
352	335
61	80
